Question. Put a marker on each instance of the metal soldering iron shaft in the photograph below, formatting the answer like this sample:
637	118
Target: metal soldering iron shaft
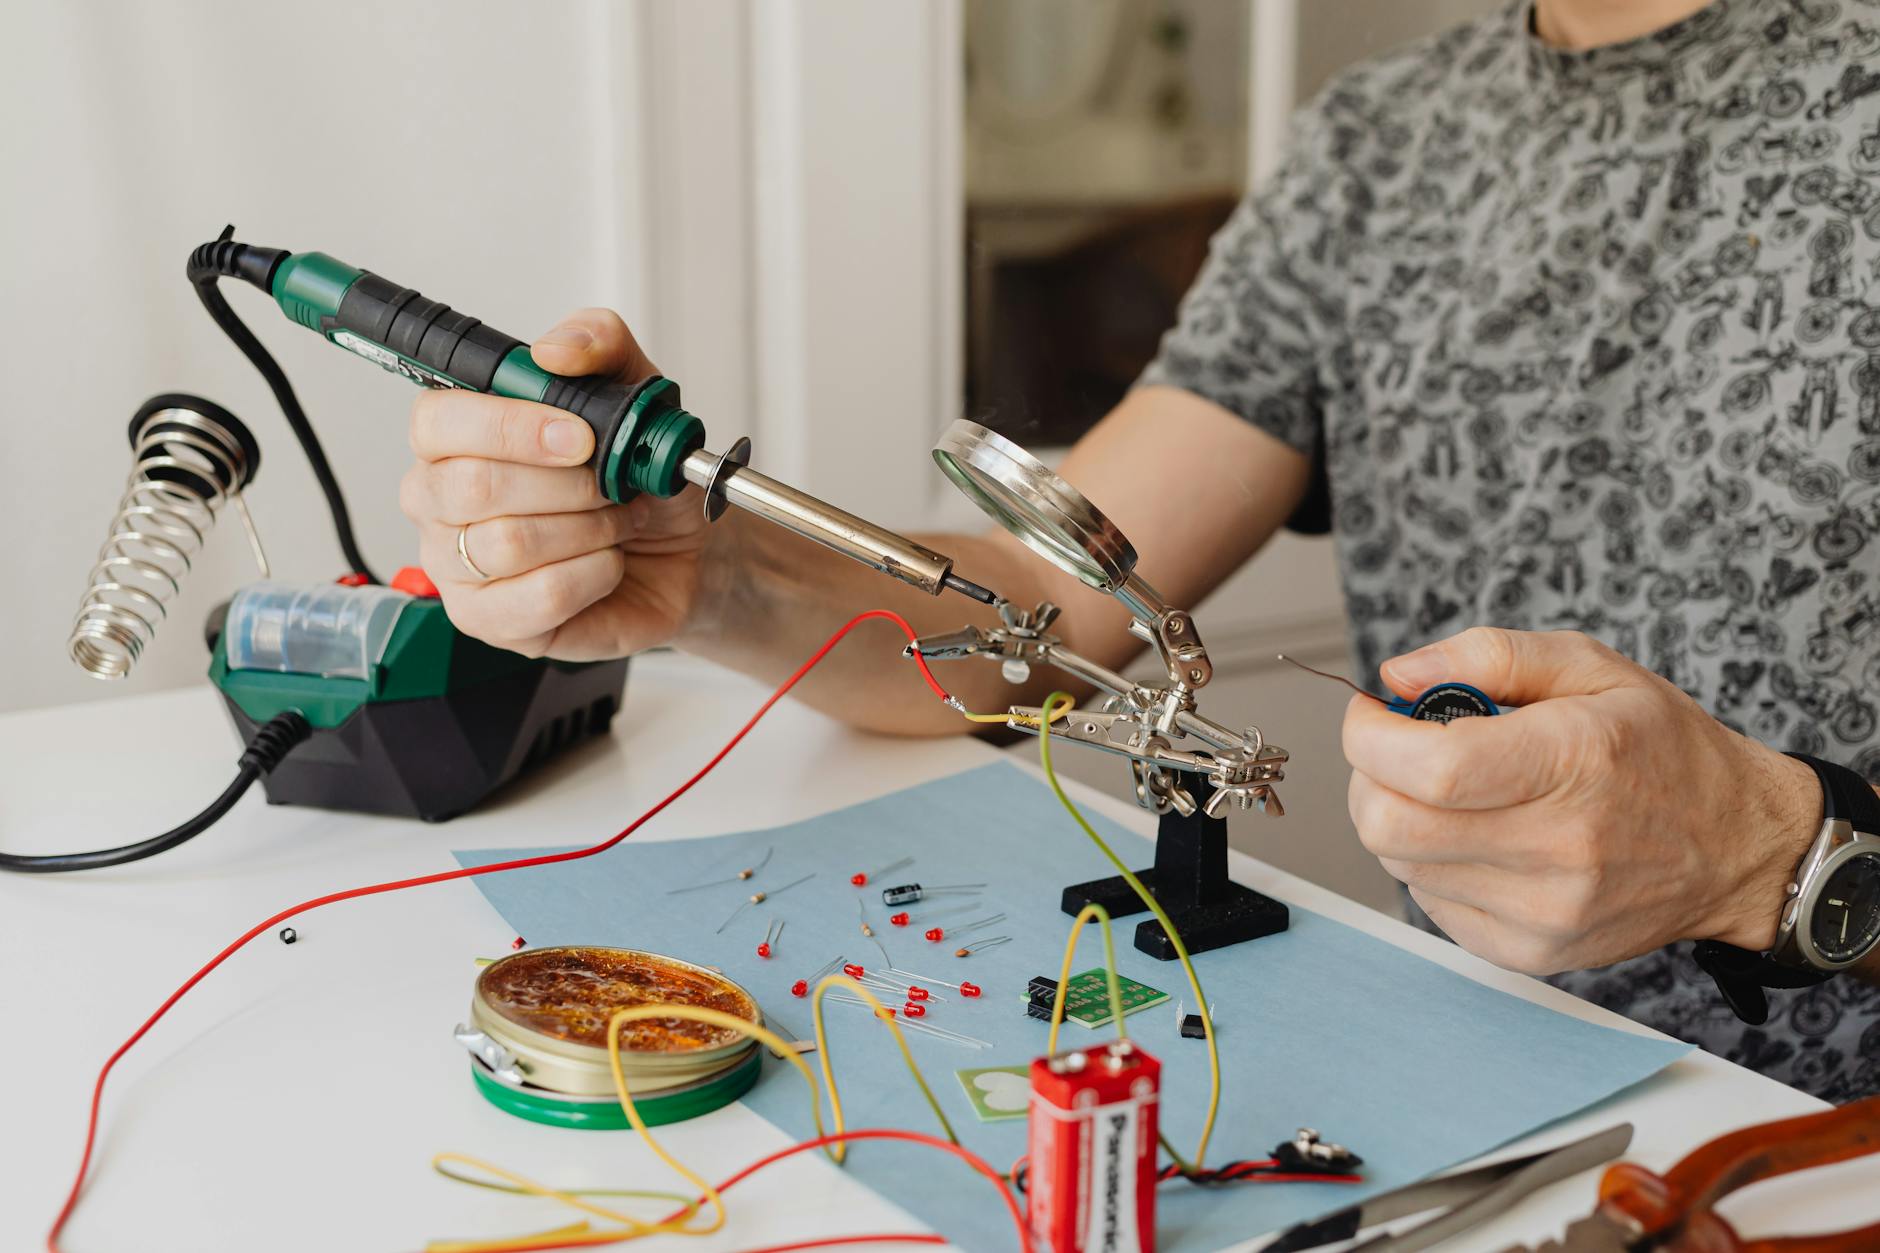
876	547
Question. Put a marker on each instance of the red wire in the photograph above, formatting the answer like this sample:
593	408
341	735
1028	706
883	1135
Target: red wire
466	872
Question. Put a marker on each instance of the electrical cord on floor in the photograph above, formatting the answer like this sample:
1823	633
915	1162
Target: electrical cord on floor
272	741
225	258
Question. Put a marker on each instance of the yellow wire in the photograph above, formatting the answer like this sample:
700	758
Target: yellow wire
633	1228
1023	720
671	1198
1102	915
894	1027
1062	700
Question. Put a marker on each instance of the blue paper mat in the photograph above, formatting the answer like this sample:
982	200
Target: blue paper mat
1414	1067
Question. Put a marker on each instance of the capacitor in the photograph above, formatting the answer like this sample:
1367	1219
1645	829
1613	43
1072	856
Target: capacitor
908	893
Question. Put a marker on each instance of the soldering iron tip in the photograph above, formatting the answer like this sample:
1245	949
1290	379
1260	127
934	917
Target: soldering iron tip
966	587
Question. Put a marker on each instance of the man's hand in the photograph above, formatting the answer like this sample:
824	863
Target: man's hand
1604	816
571	575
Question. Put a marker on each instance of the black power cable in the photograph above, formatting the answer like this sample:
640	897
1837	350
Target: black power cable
224	258
272	741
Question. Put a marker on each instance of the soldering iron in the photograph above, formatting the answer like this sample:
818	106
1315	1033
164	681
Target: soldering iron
365	697
644	441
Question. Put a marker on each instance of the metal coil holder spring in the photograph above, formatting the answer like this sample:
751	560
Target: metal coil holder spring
190	457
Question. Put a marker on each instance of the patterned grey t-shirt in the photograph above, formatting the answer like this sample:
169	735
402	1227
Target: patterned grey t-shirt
1592	341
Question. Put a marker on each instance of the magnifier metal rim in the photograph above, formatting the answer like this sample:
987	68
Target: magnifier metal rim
991	470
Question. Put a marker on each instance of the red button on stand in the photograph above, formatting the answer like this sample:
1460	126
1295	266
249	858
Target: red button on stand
414	580
355	579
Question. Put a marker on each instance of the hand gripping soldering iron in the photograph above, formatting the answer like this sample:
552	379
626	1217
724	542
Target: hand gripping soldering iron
644	441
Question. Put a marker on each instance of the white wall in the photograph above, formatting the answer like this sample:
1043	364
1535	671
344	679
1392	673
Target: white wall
483	152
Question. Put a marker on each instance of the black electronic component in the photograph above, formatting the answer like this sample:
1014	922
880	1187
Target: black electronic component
289	935
1039	995
1193	1028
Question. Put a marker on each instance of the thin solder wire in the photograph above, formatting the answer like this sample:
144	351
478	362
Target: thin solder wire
1336	678
1161	916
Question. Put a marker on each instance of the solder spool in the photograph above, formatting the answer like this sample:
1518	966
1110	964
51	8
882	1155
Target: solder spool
547	1010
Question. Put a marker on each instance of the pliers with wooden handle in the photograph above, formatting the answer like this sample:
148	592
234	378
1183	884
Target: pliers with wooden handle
1672	1213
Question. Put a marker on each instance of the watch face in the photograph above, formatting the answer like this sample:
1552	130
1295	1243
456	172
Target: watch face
1846	918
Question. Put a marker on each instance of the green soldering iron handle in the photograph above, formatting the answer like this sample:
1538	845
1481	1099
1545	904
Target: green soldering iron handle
641	434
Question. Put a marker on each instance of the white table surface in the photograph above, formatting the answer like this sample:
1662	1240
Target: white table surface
294	1100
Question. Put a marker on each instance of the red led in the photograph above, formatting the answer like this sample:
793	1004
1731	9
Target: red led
899	920
884	1012
858	879
853	971
969	989
800	988
355	579
517	943
912	1010
936	934
763	950
917	993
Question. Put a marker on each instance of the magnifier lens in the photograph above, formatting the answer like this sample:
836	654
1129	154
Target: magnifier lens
1045	513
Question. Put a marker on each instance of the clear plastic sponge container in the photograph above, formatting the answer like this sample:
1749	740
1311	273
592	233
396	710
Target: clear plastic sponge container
327	629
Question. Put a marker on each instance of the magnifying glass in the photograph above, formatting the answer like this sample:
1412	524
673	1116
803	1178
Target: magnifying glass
1044	513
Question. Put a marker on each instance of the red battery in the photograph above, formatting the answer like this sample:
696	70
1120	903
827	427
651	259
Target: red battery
1091	1175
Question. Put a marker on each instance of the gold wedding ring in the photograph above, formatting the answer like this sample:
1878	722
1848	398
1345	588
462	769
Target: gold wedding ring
463	555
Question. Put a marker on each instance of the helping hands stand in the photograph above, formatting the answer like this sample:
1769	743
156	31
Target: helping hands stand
1190	881
1187	767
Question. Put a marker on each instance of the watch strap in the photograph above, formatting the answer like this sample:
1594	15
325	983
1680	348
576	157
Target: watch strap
1845	794
1743	977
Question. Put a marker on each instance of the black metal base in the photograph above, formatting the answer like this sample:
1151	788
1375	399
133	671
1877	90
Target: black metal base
1190	882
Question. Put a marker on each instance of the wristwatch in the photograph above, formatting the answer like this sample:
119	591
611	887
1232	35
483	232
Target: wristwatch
1831	915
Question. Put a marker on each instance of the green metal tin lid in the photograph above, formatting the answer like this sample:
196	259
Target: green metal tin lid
603	1113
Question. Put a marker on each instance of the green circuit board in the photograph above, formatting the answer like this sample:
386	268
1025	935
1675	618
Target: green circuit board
1087	997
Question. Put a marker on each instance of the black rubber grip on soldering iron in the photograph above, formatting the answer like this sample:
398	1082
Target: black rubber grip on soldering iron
455	344
429	332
